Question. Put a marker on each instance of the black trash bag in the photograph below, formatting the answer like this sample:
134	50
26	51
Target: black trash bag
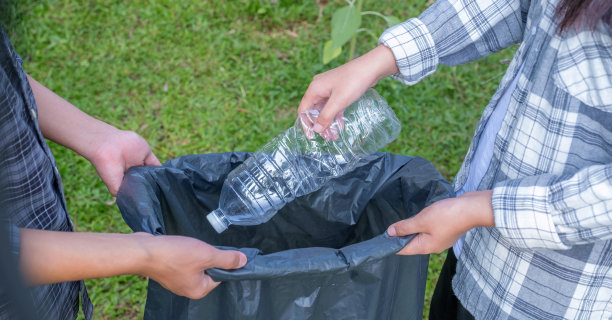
325	255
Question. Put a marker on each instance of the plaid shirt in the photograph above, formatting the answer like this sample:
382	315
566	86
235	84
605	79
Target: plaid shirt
32	186
550	253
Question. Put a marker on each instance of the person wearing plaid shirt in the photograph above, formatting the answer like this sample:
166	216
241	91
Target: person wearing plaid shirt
534	232
53	259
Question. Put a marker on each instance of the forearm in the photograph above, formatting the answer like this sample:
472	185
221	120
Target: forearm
51	256
380	60
64	123
477	208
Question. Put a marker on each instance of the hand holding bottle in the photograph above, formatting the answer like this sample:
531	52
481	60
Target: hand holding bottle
332	91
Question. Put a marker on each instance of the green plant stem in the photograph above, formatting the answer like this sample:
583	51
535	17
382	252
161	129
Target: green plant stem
354	38
368	31
374	13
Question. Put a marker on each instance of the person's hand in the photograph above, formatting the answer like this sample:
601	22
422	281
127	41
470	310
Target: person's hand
334	90
440	225
178	264
115	151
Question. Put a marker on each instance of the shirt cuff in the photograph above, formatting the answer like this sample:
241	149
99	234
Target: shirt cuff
15	239
18	58
414	50
524	213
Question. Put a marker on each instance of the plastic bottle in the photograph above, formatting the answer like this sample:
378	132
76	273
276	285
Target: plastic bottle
299	161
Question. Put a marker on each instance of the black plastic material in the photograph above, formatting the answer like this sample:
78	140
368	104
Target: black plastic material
325	255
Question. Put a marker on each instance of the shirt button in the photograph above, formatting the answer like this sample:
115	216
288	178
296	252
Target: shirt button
33	113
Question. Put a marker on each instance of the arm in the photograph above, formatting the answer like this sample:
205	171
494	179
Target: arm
556	212
110	150
177	263
543	211
453	32
438	226
448	32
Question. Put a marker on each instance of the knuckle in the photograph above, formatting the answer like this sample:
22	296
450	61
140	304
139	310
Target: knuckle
324	119
401	228
131	134
434	249
197	291
196	295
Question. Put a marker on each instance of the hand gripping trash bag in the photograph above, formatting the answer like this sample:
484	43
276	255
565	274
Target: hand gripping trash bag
325	255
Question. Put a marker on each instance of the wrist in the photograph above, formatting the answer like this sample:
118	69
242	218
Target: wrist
378	63
96	141
384	62
476	205
145	249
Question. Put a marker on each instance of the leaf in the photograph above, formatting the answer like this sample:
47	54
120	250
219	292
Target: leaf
345	23
329	53
391	20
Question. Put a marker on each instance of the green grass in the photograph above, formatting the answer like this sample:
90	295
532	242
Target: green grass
217	76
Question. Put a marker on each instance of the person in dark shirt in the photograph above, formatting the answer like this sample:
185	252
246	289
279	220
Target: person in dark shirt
52	259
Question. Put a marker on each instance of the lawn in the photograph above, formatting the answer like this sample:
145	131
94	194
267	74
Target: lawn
216	76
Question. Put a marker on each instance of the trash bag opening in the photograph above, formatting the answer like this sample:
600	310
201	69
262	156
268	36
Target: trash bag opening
334	219
383	189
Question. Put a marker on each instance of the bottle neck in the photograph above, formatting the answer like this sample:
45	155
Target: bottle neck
218	220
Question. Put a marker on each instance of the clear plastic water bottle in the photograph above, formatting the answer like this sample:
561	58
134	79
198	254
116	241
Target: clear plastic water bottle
299	161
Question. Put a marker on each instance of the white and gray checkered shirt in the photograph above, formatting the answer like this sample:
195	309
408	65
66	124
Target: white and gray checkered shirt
550	253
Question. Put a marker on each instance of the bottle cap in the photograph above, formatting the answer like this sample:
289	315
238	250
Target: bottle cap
216	222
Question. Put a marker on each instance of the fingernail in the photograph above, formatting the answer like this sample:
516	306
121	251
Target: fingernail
243	260
391	231
309	134
318	128
325	135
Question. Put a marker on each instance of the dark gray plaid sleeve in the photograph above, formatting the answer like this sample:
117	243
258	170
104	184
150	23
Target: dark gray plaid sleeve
15	239
32	192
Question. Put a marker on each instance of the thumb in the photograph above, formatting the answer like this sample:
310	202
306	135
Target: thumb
333	107
112	176
151	160
228	259
208	284
403	228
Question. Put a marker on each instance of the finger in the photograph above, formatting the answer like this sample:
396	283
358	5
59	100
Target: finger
305	104
309	100
228	259
112	178
415	246
331	133
325	135
306	124
113	189
208	285
334	105
403	228
340	120
151	160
